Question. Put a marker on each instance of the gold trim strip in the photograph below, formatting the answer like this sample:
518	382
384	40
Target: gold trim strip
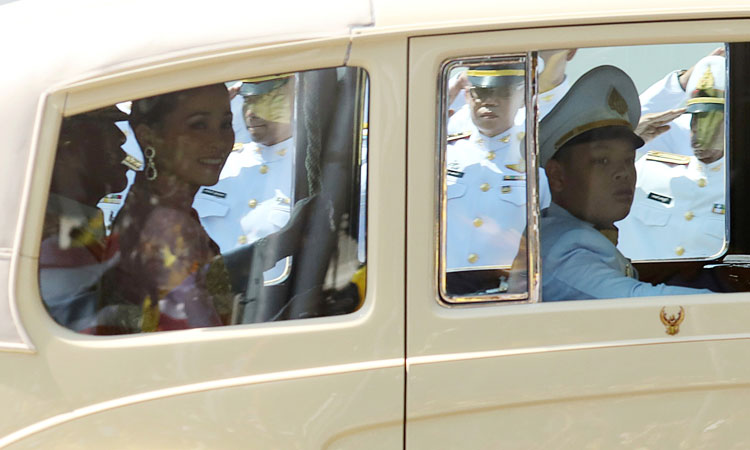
698	100
590	126
496	73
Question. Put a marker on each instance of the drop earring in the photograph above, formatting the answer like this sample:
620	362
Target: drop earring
151	172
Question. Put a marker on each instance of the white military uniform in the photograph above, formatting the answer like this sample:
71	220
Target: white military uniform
664	95
486	199
678	210
252	199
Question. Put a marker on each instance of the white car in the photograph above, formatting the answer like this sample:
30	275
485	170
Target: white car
336	321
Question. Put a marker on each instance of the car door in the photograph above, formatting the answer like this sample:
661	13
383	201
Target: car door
328	381
505	370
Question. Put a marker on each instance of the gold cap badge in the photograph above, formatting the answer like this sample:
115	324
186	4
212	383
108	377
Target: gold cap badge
706	81
617	103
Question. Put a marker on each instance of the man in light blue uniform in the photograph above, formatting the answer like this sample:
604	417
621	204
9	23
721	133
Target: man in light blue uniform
254	195
587	146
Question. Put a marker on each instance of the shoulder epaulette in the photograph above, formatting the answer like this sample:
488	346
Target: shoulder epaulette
665	157
457	136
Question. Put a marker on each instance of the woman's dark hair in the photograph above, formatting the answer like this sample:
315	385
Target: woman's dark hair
152	110
598	134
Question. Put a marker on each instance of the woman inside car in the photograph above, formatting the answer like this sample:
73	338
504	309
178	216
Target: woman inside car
170	274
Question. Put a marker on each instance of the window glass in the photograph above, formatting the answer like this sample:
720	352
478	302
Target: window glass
634	153
239	202
484	178
631	173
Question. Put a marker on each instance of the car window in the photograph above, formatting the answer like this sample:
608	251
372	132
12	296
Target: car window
238	202
599	237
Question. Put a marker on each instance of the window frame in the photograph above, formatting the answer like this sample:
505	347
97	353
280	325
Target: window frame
533	289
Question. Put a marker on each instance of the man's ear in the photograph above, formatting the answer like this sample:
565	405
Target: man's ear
555	175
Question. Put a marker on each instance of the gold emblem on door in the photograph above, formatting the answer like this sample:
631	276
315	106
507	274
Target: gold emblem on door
672	321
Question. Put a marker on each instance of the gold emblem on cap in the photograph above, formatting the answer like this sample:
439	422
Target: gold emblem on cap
473	257
702	182
672	321
617	103
485	187
264	169
706	81
252	203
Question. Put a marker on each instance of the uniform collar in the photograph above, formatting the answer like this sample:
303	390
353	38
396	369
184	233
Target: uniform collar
497	142
271	153
712	169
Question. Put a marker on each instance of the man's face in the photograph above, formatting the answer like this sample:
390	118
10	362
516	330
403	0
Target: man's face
707	136
494	109
268	116
595	181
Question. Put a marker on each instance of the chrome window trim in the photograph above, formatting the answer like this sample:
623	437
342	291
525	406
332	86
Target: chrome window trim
440	257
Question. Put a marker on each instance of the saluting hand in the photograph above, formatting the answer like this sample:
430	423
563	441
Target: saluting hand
653	124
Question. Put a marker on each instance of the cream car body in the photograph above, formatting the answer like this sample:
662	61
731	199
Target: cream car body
406	370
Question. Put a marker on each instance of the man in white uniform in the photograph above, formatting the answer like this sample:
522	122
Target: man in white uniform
553	84
486	176
679	206
660	101
254	195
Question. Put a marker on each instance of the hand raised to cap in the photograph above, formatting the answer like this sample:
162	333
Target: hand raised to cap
653	124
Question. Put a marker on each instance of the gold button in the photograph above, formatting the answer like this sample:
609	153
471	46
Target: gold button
281	152
480	141
689	215
702	182
506	189
505	139
242	239
286	200
258	149
473	258
491	156
238	146
252	203
521	135
485	187
264	169
680	250
478	222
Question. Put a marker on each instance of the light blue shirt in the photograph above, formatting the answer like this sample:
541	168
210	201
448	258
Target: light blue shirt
580	263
